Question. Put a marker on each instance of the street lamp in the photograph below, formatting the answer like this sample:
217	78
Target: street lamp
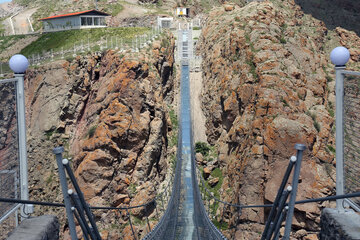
19	63
339	57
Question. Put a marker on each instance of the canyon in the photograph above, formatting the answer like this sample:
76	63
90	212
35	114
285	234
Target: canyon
267	83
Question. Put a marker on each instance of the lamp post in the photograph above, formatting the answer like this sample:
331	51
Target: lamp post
339	57
19	63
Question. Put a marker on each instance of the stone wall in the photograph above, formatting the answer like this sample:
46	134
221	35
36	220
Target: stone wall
339	225
45	227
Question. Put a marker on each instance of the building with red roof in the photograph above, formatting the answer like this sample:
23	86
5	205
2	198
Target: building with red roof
77	20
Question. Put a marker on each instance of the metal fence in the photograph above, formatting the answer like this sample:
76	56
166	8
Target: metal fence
107	42
351	138
9	148
4	69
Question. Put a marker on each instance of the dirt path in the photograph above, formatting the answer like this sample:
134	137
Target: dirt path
21	21
198	117
132	10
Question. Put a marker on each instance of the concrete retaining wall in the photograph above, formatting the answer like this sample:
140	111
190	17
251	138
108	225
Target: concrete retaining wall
45	227
337	225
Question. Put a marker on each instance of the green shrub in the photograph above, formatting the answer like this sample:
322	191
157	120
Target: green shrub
203	148
317	126
282	40
91	131
174	119
331	148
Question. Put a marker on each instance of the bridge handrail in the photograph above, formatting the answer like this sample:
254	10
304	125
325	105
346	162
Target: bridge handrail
163	223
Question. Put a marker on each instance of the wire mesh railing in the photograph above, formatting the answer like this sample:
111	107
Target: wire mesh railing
9	157
134	44
351	126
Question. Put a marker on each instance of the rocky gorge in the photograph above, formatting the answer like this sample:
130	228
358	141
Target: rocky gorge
268	84
110	111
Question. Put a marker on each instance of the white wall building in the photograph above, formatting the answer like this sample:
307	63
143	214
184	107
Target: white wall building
182	12
165	22
77	20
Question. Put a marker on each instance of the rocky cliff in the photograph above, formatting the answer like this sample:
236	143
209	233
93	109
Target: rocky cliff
111	113
268	84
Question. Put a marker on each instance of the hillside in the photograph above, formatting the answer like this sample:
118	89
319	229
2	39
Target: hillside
268	84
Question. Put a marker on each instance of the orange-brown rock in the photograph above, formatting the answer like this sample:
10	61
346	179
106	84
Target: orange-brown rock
265	89
110	112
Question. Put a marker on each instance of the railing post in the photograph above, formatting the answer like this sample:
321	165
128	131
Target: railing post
81	223
58	153
278	196
300	148
278	224
20	104
162	203
339	141
81	200
157	211
147	221
132	228
80	211
277	219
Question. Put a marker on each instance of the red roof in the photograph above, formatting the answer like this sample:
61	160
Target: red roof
74	14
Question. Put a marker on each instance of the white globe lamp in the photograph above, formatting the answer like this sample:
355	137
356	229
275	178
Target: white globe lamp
340	56
18	63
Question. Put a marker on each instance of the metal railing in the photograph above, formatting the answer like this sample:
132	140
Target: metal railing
9	155
108	42
79	212
349	161
13	159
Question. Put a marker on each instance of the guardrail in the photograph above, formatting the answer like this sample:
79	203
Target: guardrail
13	163
348	144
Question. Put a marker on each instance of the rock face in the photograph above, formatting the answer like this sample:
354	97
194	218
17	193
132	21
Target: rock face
110	112
268	84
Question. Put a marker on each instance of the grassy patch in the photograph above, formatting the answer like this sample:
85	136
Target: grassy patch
331	149
113	9
174	119
331	109
7	41
285	103
282	40
173	161
173	138
252	69
91	131
313	117
317	126
132	189
50	178
220	225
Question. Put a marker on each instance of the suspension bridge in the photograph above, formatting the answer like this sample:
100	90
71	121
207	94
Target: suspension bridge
185	216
